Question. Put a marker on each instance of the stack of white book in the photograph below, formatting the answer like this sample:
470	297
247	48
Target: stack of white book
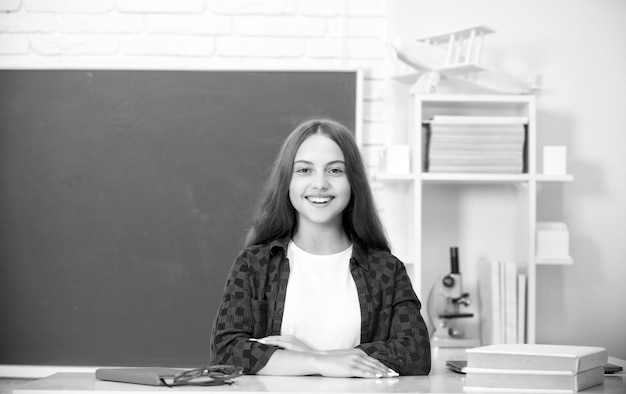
476	144
530	368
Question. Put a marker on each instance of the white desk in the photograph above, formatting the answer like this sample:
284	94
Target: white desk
76	383
439	381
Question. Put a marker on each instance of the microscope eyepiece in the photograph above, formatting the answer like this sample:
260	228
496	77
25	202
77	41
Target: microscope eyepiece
454	260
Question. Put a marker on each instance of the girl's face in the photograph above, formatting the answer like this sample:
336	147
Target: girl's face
319	188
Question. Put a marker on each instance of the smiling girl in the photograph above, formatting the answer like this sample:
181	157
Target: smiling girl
316	289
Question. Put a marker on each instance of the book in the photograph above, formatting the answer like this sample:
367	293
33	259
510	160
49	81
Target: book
477	138
502	301
206	376
454	119
459	366
522	280
478	379
476	147
148	376
510	302
477	129
476	158
541	357
489	300
475	169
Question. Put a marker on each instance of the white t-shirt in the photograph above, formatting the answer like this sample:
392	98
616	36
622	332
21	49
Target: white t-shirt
321	305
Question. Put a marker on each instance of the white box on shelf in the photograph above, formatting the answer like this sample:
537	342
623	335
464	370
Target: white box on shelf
398	159
553	243
554	160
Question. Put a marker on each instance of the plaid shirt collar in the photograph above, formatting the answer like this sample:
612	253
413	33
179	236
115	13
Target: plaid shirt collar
358	254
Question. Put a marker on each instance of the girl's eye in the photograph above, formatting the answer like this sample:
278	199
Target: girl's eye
303	170
336	171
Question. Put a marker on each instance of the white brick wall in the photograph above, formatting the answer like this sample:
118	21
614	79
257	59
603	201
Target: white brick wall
252	7
160	6
68	6
203	33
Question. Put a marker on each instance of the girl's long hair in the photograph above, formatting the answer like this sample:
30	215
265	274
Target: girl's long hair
275	216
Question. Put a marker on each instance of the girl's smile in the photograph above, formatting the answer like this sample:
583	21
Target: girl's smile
319	199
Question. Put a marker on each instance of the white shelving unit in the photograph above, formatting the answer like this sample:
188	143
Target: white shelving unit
489	216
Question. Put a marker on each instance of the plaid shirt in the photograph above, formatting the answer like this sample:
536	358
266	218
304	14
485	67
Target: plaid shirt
392	328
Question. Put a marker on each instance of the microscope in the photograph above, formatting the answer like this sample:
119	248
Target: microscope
445	303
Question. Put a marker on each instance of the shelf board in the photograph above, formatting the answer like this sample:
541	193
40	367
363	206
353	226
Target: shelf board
454	177
477	178
496	99
555	178
554	261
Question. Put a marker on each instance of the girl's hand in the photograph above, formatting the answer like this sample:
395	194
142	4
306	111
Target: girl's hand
353	364
287	342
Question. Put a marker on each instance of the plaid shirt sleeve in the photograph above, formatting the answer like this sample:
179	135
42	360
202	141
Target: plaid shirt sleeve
242	315
396	333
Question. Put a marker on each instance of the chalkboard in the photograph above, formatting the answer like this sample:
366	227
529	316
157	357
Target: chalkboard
124	198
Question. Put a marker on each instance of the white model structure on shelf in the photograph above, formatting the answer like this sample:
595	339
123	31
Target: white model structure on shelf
453	55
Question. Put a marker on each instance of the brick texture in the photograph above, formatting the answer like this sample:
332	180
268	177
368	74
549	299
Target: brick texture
69	6
205	33
9	5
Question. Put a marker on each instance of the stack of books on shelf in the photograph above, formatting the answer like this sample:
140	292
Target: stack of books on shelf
476	144
502	296
523	368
